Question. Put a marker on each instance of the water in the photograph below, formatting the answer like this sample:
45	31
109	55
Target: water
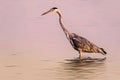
33	47
29	68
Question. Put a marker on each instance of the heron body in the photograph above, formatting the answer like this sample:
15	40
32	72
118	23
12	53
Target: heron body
79	43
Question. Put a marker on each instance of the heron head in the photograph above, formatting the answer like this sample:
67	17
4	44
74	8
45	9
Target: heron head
52	10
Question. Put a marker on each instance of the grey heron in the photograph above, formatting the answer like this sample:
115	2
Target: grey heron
79	43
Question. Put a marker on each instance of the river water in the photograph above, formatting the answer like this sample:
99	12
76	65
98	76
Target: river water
33	47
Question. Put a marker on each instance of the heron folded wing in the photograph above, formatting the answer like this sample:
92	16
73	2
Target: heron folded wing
84	44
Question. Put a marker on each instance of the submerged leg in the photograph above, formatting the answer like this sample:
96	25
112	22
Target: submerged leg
80	54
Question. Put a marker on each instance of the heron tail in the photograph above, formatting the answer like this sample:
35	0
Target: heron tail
103	51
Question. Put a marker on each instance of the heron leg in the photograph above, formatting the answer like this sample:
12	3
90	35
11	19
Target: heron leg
80	54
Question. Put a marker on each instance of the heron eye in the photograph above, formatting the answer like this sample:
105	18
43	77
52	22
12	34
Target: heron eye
54	8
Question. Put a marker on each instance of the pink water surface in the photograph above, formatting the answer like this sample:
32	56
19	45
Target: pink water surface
34	47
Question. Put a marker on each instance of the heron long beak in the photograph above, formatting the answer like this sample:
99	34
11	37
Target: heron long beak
46	12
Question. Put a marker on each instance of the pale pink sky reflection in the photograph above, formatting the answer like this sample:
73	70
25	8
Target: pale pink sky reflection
34	47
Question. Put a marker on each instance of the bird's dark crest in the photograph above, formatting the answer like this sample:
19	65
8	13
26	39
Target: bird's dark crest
54	8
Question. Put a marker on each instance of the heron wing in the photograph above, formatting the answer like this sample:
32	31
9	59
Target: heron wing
84	44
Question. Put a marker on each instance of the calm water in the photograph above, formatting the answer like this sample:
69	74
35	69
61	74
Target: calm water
33	47
17	67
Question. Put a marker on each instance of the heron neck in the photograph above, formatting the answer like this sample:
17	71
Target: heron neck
62	25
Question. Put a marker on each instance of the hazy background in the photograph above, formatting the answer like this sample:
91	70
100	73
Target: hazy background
27	38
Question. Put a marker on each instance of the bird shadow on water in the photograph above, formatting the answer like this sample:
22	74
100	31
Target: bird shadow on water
88	68
85	61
